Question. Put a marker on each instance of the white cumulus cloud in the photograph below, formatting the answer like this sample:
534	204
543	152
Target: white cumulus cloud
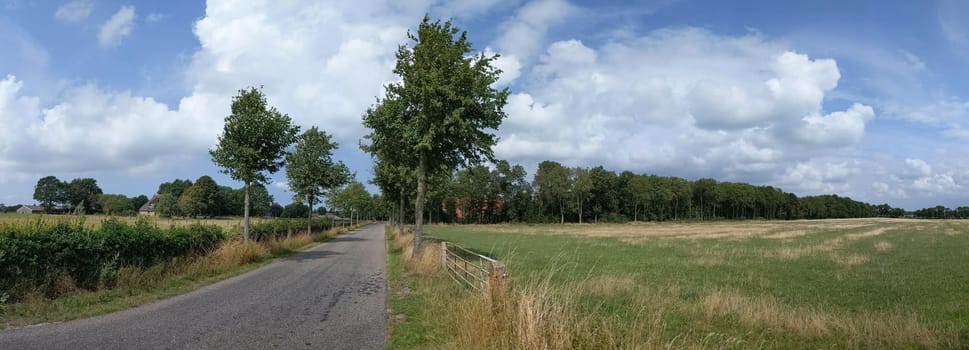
118	27
74	11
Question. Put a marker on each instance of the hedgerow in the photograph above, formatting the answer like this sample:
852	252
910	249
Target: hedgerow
43	257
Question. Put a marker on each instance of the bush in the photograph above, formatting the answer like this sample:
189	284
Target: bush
39	257
281	227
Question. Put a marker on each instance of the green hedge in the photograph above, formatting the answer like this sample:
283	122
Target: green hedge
36	256
281	227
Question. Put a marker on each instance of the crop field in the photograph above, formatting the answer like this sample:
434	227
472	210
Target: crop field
856	283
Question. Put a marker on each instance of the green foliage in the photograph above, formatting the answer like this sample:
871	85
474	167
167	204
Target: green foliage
192	202
167	205
84	193
441	113
295	210
253	142
39	255
138	202
254	138
259	199
50	192
352	197
175	188
116	204
281	227
310	168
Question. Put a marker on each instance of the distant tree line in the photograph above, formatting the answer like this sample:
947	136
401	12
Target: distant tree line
502	193
941	212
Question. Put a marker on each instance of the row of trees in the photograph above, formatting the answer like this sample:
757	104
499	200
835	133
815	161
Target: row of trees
83	195
205	198
941	212
502	193
256	141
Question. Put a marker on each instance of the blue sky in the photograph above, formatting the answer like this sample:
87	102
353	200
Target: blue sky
867	99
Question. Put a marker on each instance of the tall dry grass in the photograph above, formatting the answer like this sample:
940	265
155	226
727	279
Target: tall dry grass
231	254
868	331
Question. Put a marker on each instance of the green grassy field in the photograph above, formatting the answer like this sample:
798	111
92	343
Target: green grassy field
869	283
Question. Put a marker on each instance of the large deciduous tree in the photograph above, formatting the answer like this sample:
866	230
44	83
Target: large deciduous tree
253	143
50	192
84	193
444	107
553	183
311	170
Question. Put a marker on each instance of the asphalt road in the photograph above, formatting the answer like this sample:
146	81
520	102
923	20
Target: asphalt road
332	296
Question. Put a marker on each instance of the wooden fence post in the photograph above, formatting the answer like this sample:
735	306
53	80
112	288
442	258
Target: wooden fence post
497	278
444	255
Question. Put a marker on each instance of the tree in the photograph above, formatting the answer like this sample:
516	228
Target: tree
253	143
192	202
351	199
311	171
295	210
229	201
115	204
581	188
276	210
175	188
207	196
139	201
447	103
259	199
167	205
552	183
50	192
84	193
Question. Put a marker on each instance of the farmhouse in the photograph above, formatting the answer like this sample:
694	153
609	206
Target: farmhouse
30	209
148	209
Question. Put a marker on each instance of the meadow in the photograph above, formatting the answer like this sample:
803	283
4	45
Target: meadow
854	283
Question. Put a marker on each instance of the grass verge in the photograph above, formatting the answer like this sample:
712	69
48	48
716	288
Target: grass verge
136	286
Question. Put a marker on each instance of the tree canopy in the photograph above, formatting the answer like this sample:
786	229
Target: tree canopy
253	142
311	170
442	112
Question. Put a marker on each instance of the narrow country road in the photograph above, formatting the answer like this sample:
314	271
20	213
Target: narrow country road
332	296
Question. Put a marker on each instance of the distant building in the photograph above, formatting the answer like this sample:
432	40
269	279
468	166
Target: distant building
30	209
148	209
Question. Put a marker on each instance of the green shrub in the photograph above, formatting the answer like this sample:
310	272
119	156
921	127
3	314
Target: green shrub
281	227
39	257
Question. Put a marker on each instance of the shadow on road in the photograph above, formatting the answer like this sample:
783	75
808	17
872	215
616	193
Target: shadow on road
313	255
348	239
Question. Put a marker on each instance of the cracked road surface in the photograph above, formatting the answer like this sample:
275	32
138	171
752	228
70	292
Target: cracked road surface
332	296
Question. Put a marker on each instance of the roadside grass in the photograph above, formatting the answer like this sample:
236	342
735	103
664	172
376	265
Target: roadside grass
136	286
851	284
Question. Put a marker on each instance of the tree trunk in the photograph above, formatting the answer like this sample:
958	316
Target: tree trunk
419	205
245	221
309	218
400	215
636	212
561	212
580	209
